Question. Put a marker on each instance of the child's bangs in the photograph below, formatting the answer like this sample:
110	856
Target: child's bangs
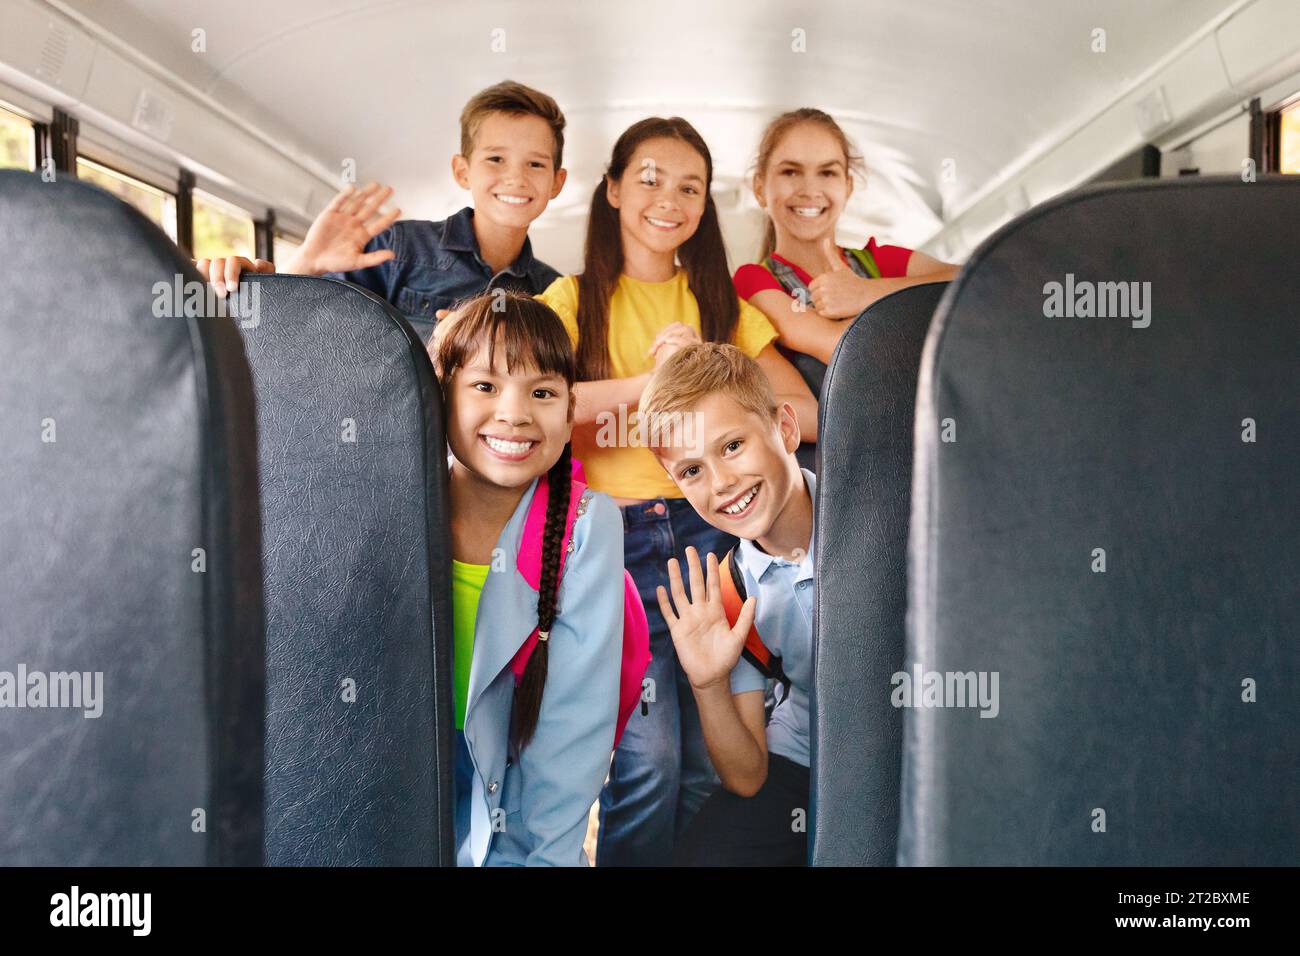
530	333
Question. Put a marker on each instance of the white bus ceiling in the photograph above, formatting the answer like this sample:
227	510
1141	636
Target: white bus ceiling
966	113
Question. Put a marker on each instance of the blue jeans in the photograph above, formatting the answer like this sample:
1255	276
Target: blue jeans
661	774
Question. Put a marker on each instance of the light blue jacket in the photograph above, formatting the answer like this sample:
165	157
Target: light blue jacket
532	808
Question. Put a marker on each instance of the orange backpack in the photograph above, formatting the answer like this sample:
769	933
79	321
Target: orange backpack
755	651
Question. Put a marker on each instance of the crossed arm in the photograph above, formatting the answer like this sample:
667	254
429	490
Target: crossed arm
838	294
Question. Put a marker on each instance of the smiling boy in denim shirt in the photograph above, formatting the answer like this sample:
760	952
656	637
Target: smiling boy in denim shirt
512	144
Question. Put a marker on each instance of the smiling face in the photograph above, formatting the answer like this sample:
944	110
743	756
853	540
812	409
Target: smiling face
661	195
739	470
511	170
806	184
507	428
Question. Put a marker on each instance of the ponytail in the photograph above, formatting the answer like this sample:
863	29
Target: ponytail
769	239
602	265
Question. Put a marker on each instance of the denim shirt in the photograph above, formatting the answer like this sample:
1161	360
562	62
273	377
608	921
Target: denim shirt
437	264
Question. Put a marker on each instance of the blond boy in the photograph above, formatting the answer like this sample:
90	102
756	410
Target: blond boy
721	436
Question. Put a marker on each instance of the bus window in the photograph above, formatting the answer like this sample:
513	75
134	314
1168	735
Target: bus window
221	229
157	204
1289	154
283	247
17	141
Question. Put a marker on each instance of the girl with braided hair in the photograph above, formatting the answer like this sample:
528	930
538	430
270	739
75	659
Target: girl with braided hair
537	649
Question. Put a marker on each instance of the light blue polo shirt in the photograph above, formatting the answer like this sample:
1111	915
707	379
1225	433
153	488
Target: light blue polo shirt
784	620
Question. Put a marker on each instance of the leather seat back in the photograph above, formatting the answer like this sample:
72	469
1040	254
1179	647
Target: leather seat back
354	511
1105	520
863	494
131	663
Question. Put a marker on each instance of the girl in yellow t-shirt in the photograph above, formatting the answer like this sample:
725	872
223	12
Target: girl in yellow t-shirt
632	307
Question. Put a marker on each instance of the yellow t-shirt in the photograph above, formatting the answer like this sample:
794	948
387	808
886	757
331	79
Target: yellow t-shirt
637	312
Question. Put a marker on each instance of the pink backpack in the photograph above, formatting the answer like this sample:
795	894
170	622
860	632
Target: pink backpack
636	630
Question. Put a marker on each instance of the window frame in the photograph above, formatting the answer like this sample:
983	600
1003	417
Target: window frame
230	207
288	236
57	135
84	157
35	123
1273	132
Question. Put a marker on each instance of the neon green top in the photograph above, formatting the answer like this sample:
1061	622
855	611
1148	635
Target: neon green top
467	582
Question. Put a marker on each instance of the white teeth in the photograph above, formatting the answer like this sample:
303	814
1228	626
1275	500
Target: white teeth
743	503
808	211
661	223
513	200
508	447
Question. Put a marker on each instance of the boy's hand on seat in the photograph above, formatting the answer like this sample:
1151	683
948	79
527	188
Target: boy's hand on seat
336	241
223	273
707	646
839	292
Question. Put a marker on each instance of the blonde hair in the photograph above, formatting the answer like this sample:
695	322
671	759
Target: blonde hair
693	373
517	100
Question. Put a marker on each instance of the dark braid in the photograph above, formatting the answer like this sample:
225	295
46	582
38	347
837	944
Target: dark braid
528	695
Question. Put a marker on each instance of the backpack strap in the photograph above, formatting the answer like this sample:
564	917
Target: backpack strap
636	655
795	287
865	261
861	261
754	651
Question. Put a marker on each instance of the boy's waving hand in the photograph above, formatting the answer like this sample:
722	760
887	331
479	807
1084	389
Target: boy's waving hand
707	646
336	241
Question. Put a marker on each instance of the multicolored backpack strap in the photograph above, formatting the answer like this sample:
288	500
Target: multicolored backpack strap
789	279
863	263
755	651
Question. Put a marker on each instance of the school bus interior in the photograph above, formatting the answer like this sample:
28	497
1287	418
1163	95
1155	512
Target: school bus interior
1095	511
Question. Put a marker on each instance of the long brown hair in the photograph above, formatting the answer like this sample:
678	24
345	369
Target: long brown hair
774	133
531	334
703	256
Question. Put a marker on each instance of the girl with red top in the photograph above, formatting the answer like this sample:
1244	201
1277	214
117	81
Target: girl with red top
805	283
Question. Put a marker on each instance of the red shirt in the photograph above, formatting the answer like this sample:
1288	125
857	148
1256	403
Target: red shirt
753	277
